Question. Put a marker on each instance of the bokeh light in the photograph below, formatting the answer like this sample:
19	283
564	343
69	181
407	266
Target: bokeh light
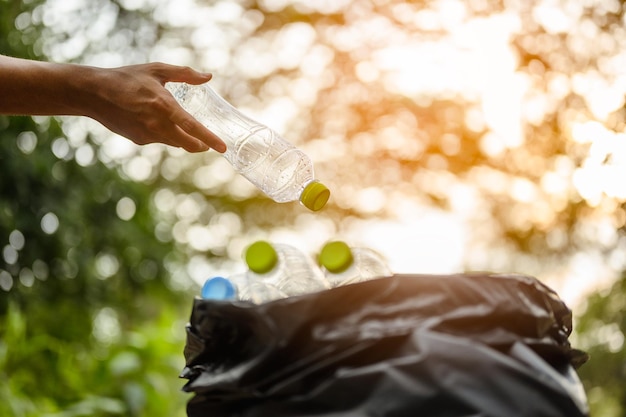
460	128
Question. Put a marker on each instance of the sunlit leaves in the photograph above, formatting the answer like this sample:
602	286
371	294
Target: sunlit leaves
453	135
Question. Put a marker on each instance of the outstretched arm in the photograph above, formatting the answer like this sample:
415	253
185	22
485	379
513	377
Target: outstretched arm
131	100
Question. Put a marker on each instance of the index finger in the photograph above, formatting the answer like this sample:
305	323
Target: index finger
196	129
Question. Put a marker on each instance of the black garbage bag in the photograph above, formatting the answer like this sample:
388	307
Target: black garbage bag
463	345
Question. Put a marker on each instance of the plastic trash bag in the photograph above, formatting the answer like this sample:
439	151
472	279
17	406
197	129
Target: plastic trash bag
463	345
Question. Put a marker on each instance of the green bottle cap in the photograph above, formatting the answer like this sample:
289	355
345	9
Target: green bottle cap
315	195
336	256
261	257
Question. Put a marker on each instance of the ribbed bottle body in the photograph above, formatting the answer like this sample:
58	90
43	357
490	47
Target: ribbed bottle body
294	273
261	155
366	264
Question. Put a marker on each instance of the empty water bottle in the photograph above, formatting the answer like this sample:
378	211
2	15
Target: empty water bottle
256	291
218	288
239	287
275	166
284	267
342	264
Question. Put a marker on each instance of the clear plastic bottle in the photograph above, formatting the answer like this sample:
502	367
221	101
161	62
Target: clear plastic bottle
218	288
342	264
256	291
239	287
267	160
284	267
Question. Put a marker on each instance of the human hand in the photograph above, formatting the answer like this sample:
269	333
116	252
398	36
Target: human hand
133	102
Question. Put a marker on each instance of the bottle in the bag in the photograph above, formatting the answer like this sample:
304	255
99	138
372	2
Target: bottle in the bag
218	288
275	166
256	291
284	267
342	264
239	287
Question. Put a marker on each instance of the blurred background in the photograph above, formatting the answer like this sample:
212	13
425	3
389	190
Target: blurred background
455	136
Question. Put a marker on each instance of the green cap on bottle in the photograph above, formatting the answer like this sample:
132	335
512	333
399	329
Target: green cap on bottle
315	195
261	257
336	256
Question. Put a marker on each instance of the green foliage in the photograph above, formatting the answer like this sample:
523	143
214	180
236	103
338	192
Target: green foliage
130	374
89	323
600	330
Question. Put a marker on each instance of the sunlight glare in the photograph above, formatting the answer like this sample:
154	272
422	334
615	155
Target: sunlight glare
602	96
207	238
431	242
292	43
189	206
553	17
106	326
138	168
370	200
164	200
125	208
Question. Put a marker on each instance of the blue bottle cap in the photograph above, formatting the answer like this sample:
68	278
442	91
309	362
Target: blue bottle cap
218	288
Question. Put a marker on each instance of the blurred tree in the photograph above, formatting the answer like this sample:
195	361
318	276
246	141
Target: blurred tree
503	115
506	116
91	320
600	330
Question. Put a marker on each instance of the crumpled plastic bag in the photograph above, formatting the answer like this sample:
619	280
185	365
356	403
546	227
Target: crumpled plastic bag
464	345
